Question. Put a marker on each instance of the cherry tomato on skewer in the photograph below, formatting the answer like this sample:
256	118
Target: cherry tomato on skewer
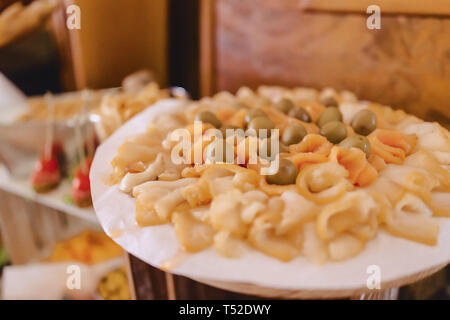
81	186
46	176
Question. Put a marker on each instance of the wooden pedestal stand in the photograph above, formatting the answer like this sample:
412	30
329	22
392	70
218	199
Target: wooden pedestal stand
150	283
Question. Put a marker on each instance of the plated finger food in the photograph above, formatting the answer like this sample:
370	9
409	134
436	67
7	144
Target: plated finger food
116	108
47	173
81	187
107	109
288	172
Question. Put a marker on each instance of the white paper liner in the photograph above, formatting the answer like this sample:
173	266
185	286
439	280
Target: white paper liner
397	258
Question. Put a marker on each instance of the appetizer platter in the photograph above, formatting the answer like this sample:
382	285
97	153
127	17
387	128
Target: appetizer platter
48	142
356	185
58	178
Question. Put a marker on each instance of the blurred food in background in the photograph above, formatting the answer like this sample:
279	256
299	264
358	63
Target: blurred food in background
114	286
89	247
137	88
116	109
110	107
67	106
76	122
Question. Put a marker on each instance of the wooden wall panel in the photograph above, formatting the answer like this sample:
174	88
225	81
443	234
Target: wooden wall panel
405	64
117	38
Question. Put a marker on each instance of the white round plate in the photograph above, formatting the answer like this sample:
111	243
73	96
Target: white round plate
396	258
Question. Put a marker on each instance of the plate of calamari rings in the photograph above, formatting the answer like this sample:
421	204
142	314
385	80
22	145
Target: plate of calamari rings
289	189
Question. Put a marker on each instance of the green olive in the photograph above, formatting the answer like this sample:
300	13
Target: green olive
293	134
300	114
286	174
208	117
254	113
364	122
259	123
283	148
284	105
328	115
334	131
356	141
329	101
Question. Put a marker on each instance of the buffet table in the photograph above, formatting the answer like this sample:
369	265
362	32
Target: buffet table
311	45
